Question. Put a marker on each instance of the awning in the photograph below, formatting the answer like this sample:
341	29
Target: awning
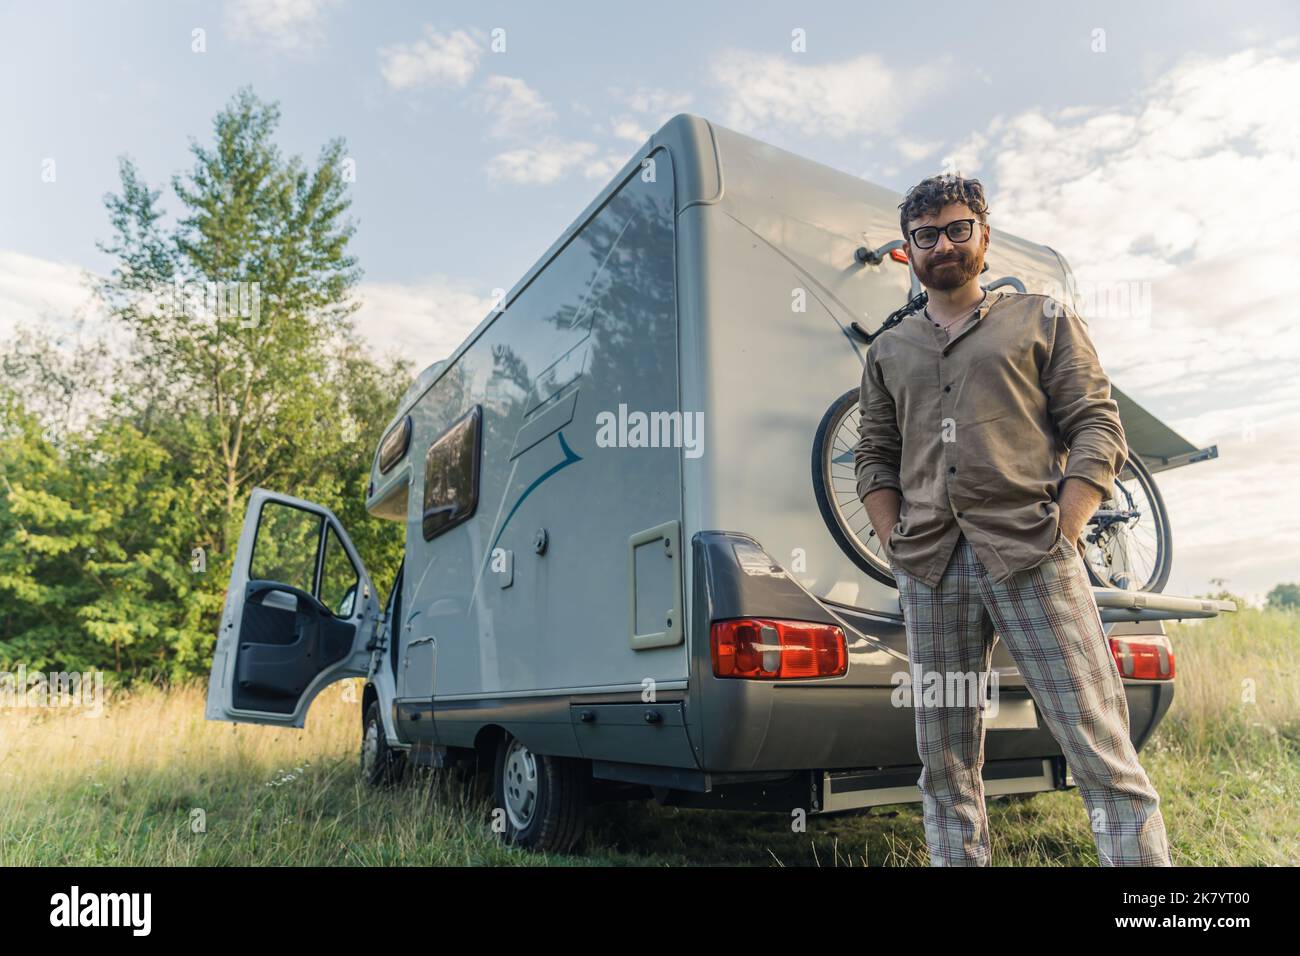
1159	445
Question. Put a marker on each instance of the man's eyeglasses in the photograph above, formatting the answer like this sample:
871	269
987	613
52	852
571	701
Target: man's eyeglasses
927	237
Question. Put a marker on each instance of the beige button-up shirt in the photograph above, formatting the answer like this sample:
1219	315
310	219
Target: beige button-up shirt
978	429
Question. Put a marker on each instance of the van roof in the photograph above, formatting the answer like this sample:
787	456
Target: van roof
697	148
689	140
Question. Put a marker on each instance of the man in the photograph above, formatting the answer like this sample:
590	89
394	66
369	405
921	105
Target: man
988	438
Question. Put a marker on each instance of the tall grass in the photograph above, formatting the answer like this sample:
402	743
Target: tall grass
151	782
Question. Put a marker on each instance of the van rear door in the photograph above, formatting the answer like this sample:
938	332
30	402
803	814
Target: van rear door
298	615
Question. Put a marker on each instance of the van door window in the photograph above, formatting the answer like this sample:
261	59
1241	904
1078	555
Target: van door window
286	546
339	578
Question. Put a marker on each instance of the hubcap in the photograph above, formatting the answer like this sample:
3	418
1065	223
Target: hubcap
520	784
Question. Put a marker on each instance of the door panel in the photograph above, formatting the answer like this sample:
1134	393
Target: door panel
299	613
281	652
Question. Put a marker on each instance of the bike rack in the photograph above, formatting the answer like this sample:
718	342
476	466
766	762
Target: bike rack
1006	280
1118	605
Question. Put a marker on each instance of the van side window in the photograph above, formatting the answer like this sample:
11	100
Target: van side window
451	470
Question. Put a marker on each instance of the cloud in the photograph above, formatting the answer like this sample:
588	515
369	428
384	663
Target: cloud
424	322
1184	193
546	162
1195	155
630	130
840	99
638	112
516	109
39	293
914	151
602	168
643	110
438	60
284	25
521	114
1230	516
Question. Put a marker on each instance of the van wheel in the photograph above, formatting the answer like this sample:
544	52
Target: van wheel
381	765
540	801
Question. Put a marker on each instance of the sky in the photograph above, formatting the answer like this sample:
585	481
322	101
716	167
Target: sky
1147	143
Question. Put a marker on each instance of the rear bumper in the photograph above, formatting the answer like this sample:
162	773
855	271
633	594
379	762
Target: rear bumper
834	791
1148	702
853	724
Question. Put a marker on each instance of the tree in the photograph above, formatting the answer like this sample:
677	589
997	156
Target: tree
92	561
99	518
1284	597
238	388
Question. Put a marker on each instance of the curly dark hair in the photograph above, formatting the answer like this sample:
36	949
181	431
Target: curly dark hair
930	195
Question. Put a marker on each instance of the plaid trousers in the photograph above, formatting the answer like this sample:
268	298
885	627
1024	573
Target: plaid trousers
1048	617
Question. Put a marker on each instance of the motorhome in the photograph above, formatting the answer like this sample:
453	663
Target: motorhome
635	567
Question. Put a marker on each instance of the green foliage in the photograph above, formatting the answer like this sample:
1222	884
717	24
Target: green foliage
99	517
1284	597
94	553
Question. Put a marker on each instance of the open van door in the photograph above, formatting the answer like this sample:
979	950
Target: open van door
298	615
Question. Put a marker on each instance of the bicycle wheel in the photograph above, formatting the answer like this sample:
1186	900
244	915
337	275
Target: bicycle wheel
1128	543
836	488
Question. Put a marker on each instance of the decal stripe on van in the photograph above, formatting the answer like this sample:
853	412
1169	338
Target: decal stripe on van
570	456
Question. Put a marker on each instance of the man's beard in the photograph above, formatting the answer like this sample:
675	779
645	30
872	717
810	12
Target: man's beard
950	275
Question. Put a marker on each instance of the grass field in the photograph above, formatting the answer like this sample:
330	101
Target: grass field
135	784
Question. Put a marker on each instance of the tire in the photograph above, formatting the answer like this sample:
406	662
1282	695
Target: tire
830	514
1164	538
381	765
541	801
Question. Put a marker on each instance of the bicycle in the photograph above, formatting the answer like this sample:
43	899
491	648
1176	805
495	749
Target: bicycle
1127	541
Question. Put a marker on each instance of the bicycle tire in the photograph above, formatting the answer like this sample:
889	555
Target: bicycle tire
820	478
1164	539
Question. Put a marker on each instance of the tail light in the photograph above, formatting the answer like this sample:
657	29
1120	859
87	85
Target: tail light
1143	656
762	648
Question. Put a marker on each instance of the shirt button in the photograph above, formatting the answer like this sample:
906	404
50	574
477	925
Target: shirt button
952	471
961	514
947	388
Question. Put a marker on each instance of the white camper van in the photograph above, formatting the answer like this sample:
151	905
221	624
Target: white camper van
635	566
